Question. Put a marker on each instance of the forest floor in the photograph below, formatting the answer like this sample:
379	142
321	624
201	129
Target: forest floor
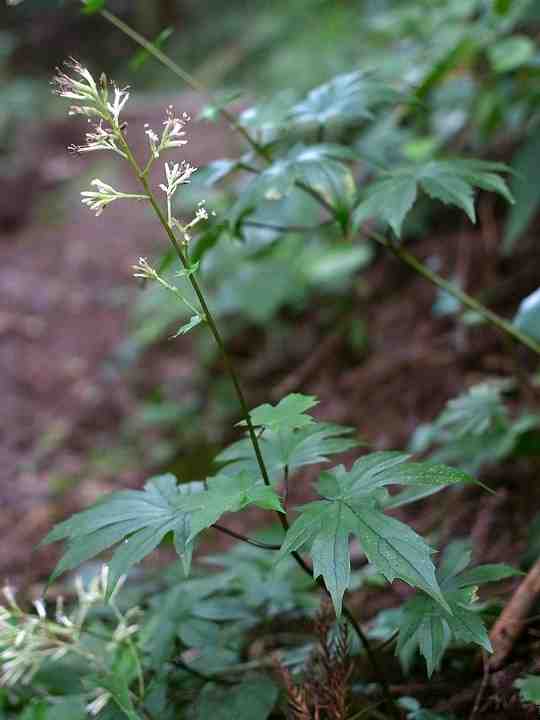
66	285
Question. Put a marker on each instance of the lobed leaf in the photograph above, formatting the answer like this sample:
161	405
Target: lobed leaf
137	521
452	182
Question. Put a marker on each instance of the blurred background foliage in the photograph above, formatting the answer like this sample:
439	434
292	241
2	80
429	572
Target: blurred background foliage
458	77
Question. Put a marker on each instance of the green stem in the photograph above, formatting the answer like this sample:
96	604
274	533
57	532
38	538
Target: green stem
165	60
406	257
245	411
244	538
142	176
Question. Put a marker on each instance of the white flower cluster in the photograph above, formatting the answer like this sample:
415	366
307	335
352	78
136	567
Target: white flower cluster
30	640
94	101
104	194
172	135
103	109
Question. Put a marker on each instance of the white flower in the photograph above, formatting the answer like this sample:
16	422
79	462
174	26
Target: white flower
82	87
173	130
9	594
144	270
121	96
153	141
177	174
101	700
100	138
40	609
98	199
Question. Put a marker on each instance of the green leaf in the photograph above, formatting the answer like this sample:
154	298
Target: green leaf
344	100
477	411
527	318
388	201
139	520
193	322
424	626
288	414
253	698
142	55
502	7
118	686
525	185
486	574
351	506
321	167
293	449
212	111
92	6
529	688
451	181
511	53
430	627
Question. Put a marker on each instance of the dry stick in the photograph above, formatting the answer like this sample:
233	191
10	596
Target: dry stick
513	618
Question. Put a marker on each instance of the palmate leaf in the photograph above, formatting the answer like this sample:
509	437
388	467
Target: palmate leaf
291	449
139	519
288	414
351	505
253	698
477	411
321	167
451	181
344	99
529	689
528	315
430	627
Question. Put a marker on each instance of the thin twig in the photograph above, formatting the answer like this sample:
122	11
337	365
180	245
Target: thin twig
151	49
406	257
482	689
244	538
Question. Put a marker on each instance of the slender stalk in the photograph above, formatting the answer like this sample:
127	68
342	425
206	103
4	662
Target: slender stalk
392	708
265	154
142	175
244	538
503	325
165	60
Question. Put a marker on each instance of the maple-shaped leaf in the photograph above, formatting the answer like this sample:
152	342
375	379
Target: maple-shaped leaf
321	167
288	414
351	505
389	199
288	449
138	520
344	99
430	627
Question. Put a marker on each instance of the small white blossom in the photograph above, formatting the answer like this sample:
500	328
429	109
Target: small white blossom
99	138
105	194
144	270
82	87
40	608
153	140
121	96
177	174
9	594
173	130
100	701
